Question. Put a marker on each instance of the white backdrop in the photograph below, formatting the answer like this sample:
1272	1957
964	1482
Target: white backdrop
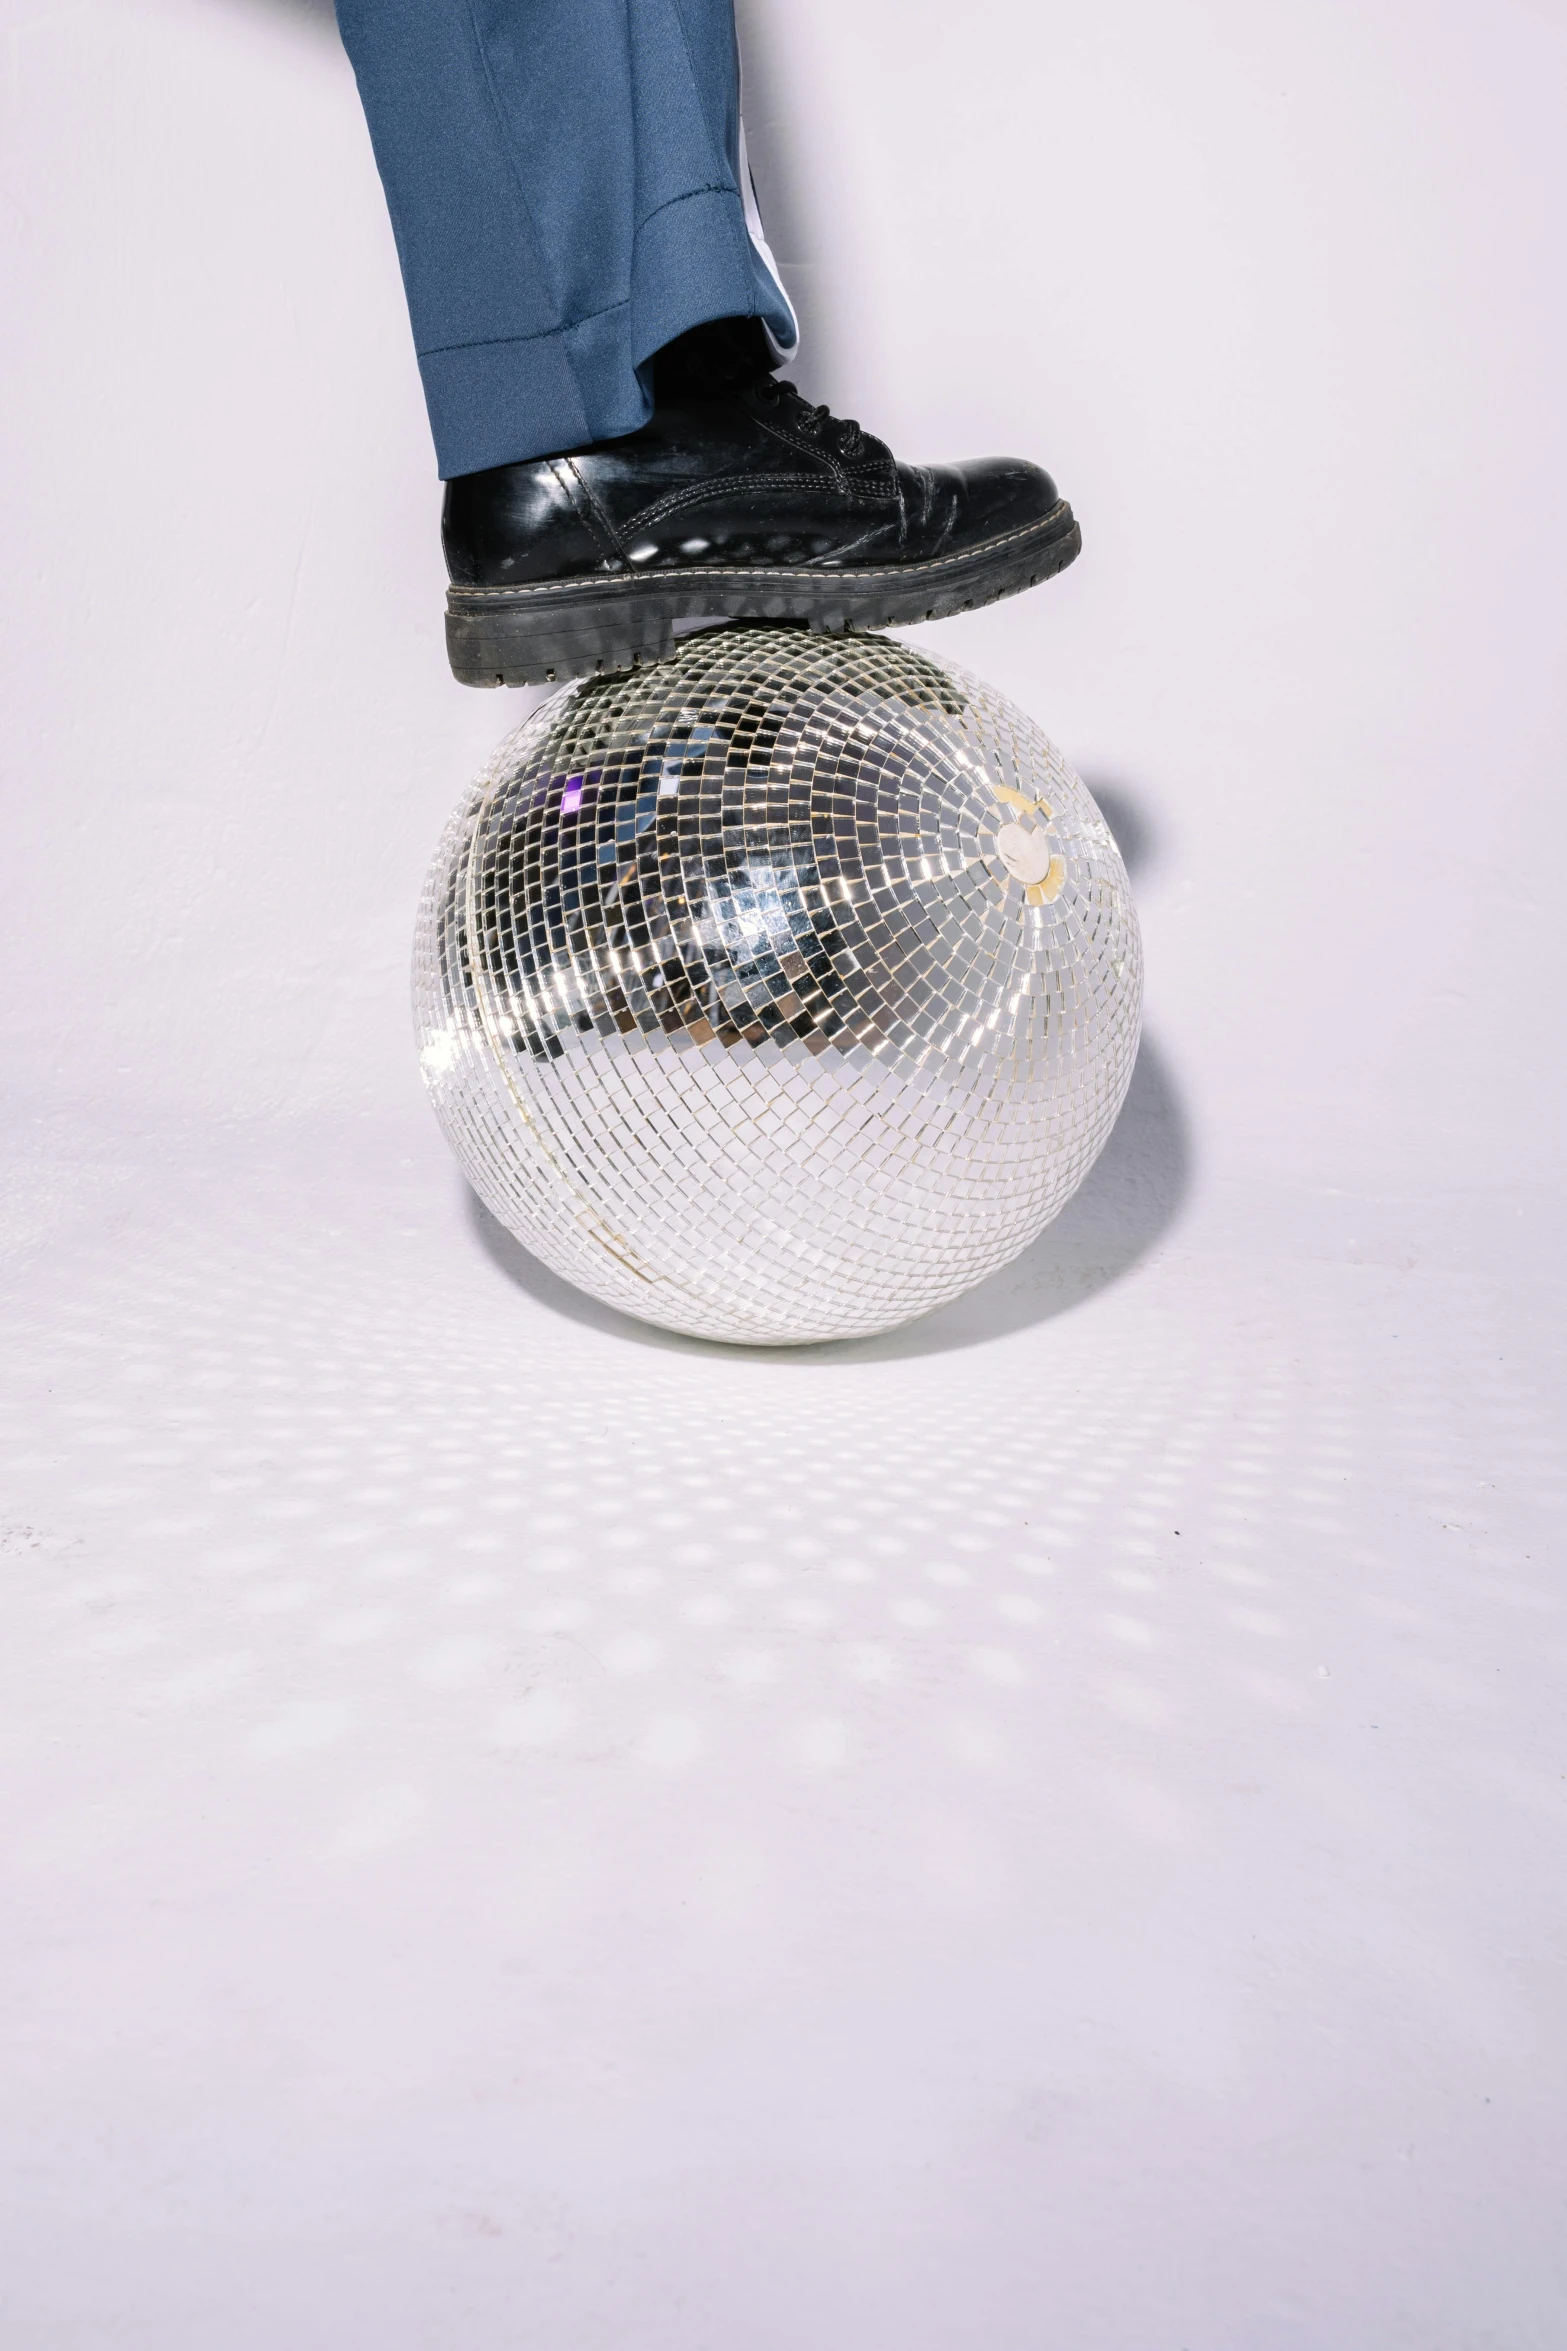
1045	1829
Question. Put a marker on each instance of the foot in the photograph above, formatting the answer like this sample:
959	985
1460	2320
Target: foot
738	500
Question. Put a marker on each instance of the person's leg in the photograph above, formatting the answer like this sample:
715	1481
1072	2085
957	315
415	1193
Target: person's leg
598	325
563	179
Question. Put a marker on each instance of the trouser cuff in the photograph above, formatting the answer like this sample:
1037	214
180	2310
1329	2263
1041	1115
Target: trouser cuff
502	402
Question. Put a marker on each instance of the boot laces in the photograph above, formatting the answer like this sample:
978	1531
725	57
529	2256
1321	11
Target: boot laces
814	418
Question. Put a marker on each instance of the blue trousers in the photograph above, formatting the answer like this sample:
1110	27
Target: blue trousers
567	192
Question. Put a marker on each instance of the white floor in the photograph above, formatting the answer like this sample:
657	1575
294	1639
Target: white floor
1043	1830
1044	1833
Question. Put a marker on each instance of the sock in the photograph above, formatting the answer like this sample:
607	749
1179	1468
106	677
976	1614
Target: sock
708	362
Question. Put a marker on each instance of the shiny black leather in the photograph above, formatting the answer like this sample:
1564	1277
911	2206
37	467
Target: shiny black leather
754	478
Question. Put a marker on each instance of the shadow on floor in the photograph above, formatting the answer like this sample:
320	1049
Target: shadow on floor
1131	1198
1126	813
318	15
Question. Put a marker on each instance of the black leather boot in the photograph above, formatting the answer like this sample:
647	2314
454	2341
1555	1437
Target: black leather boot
739	500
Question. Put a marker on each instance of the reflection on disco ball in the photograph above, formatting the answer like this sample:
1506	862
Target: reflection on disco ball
781	991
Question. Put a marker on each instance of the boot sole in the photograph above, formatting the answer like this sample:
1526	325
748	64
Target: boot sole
534	636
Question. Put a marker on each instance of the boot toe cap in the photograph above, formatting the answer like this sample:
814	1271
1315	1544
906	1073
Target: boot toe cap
1000	494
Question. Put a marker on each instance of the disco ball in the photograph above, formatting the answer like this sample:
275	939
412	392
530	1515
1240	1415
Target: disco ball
781	991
